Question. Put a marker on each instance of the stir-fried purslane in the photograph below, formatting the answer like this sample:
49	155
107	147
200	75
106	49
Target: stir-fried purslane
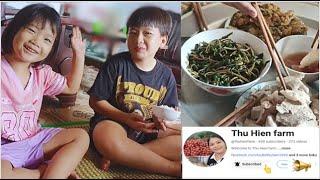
224	62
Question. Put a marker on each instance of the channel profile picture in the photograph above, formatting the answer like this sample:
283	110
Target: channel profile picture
205	148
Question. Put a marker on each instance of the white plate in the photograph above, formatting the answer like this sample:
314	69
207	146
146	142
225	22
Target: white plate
309	17
264	85
246	95
216	15
311	24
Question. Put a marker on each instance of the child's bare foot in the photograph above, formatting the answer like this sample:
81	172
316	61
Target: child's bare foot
105	164
74	175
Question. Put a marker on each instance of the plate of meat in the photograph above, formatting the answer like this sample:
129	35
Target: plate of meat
296	106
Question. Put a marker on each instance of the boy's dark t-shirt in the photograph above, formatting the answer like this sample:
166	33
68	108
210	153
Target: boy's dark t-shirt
130	89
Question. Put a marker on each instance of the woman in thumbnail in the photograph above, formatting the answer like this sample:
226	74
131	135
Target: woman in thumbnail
218	147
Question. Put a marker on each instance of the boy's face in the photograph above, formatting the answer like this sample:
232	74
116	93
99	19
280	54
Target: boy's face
33	43
144	42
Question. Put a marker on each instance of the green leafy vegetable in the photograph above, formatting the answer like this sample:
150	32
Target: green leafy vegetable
224	62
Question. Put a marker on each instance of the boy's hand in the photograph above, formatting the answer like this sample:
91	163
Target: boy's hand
159	123
172	128
137	122
77	44
173	125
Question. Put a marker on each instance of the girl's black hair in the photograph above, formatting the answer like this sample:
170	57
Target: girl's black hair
150	16
23	18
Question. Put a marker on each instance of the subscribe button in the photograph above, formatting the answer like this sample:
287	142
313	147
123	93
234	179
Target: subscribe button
247	164
253	164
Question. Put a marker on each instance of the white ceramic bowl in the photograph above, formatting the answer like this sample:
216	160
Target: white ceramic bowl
295	44
238	36
167	113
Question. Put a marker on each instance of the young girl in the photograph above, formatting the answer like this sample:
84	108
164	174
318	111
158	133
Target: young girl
30	38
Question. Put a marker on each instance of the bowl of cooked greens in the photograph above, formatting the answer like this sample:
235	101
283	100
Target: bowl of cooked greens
225	61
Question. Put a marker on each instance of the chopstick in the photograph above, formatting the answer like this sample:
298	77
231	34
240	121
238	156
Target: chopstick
232	117
204	23
228	120
315	43
265	28
199	16
273	44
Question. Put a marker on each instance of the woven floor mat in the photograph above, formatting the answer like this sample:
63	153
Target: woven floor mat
87	169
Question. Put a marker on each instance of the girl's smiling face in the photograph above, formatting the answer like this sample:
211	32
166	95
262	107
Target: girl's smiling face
34	42
144	42
216	145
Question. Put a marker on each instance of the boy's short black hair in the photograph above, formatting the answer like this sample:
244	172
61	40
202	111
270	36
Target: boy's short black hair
151	16
24	17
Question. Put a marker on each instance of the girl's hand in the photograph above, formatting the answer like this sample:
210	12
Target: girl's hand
137	122
78	48
77	44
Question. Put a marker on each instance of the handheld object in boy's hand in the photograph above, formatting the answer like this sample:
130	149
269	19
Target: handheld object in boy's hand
166	113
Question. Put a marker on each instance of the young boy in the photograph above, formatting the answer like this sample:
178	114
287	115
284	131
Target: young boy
123	93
